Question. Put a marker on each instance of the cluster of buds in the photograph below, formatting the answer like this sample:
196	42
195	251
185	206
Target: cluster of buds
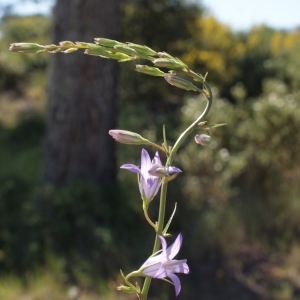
111	49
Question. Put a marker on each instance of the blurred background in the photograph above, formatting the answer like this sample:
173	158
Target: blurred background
70	219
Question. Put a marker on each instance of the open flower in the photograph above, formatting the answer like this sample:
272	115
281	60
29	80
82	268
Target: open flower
163	265
150	174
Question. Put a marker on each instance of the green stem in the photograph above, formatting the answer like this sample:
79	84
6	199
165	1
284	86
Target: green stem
156	146
163	192
192	127
160	225
145	209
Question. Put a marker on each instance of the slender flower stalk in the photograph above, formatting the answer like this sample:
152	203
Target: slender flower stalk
152	174
163	194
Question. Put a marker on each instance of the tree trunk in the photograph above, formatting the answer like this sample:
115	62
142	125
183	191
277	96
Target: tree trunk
82	96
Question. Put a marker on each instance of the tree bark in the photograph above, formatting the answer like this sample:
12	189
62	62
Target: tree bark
82	96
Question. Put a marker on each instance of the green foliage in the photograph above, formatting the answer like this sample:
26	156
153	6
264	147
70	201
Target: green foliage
16	68
21	165
150	22
244	187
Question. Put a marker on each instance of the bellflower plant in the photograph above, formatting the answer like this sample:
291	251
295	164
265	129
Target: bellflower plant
152	175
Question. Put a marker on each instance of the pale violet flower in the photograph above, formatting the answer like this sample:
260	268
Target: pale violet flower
150	174
163	265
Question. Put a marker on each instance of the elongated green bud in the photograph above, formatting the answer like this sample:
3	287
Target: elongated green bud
97	52
142	49
125	49
150	70
107	42
26	47
168	63
128	137
120	57
181	83
108	54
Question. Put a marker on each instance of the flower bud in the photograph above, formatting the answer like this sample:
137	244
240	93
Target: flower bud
98	51
202	139
26	47
150	70
107	42
181	83
125	49
142	49
168	63
127	137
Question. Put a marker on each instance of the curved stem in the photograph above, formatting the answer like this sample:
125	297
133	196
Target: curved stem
193	126
156	146
132	274
148	219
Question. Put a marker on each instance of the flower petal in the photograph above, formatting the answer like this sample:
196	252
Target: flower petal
177	266
145	163
176	282
156	159
151	261
152	270
131	168
152	187
161	272
175	247
163	243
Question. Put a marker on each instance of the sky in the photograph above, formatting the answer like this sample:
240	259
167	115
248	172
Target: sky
238	14
242	15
